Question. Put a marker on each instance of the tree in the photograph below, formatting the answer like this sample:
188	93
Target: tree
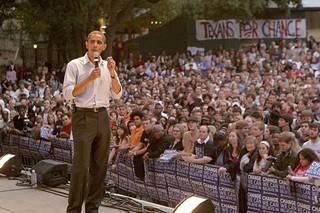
64	24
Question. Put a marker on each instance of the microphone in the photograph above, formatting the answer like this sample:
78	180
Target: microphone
96	59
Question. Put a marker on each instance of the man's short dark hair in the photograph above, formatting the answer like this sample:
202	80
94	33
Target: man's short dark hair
136	113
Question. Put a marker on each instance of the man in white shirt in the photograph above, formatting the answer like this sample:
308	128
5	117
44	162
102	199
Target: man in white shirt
314	142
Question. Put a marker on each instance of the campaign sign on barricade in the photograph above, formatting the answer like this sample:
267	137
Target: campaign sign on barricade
34	144
254	201
270	203
211	190
228	194
225	180
304	207
141	187
163	194
270	185
160	180
132	186
287	205
285	188
24	142
57	152
197	187
152	191
149	172
123	182
303	191
45	149
114	177
184	183
216	204
129	168
313	170
228	208
174	194
171	174
182	168
196	171
315	195
210	173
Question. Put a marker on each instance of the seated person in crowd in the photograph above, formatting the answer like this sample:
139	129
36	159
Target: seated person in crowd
66	126
204	149
287	157
21	122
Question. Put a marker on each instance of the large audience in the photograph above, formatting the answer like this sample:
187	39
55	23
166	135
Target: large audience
254	109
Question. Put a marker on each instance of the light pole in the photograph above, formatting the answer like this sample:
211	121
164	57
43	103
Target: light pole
35	55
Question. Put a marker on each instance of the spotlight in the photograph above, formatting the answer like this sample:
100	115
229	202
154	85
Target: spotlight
195	204
10	165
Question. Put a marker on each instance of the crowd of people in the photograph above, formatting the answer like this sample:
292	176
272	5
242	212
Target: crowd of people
246	110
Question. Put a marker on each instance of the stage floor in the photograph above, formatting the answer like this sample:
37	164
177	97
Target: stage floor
25	199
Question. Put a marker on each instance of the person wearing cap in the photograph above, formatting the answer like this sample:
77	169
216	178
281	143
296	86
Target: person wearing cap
316	108
190	136
42	87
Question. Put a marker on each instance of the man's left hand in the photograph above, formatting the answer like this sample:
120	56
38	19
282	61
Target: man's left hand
111	65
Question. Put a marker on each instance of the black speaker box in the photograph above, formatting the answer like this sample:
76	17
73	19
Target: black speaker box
11	165
51	173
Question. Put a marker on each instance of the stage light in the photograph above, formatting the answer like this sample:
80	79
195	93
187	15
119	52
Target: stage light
10	165
195	204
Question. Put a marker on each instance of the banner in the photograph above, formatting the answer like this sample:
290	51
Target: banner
231	29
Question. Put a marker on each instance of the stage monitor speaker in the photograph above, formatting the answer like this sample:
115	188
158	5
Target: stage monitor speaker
51	173
10	165
195	204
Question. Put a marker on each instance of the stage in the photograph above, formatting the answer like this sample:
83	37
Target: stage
27	199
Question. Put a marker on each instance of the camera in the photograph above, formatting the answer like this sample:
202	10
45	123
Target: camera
270	162
26	122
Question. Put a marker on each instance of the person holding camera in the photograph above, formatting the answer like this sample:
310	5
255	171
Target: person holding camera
22	123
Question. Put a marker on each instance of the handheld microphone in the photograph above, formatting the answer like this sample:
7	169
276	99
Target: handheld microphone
96	59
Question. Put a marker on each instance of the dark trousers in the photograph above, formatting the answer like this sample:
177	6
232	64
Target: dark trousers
91	133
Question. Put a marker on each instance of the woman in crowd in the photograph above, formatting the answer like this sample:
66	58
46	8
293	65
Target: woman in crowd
177	132
306	157
264	151
122	142
248	159
232	162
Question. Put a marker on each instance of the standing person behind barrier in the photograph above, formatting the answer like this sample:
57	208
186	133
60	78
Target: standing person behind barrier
232	163
287	157
190	136
90	84
314	142
264	151
204	149
248	159
158	143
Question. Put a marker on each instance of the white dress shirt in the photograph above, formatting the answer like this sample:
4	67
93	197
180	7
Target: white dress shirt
98	93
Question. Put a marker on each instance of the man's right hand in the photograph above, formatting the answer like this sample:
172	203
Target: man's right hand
96	73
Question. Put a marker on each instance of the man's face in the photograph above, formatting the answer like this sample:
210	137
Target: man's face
22	112
95	43
65	120
256	131
304	129
137	121
282	122
146	125
313	133
122	111
203	133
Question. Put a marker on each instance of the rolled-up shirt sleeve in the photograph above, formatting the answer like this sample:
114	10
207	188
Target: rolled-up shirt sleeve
70	80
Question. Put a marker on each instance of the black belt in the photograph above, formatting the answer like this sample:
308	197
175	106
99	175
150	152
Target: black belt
96	109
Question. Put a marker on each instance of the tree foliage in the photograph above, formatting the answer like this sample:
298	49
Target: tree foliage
64	24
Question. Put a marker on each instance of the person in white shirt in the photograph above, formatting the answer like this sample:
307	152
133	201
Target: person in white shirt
314	142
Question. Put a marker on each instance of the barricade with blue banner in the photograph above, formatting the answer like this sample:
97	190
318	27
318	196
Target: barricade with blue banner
173	181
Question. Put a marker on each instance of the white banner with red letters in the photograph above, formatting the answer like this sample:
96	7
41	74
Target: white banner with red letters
231	29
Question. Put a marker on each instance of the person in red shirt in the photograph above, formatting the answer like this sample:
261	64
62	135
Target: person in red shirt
66	126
